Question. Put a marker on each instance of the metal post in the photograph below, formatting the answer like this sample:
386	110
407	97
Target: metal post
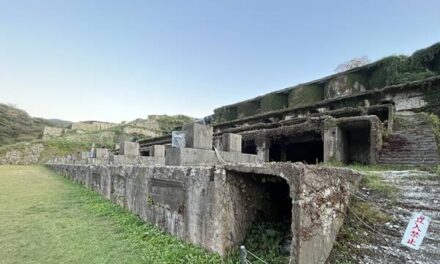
243	254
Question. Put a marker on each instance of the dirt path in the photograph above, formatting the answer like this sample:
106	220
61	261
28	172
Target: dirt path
417	192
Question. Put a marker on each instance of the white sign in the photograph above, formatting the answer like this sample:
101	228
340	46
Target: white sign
416	231
178	139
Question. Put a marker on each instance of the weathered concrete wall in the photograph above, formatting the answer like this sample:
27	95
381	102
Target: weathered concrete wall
49	132
362	149
129	148
135	160
306	94
194	157
198	136
205	205
274	101
248	108
91	125
346	84
148	132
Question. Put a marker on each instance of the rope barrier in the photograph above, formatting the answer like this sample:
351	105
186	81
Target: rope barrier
255	256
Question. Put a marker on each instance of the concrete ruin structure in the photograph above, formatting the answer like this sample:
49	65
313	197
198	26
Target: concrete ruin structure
51	132
374	114
214	206
91	125
265	158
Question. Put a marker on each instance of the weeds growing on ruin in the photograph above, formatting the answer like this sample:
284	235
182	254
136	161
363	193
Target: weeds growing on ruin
270	241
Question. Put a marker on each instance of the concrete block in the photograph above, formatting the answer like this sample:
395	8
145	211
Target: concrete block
157	151
196	157
198	136
101	153
84	155
231	142
136	160
129	148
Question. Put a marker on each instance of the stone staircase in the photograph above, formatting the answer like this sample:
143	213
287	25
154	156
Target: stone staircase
412	142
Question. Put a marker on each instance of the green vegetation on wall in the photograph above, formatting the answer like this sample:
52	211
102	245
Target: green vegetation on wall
306	95
346	84
224	114
401	69
274	101
168	123
248	108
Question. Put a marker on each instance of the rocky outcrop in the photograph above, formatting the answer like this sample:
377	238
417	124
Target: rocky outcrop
25	155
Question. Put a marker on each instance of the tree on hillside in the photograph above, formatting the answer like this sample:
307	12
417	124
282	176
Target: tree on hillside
353	63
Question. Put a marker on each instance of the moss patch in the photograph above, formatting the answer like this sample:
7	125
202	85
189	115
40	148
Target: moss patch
401	69
248	108
274	101
306	95
224	114
346	84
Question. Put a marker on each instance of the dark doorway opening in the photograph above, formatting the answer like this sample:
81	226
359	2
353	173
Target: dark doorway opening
263	212
382	113
356	143
308	149
249	147
145	152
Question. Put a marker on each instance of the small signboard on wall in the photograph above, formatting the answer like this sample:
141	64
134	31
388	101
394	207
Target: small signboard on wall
416	231
178	139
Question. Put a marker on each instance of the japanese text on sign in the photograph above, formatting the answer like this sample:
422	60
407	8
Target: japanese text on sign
416	231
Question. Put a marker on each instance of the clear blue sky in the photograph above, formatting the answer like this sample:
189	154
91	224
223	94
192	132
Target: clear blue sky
119	60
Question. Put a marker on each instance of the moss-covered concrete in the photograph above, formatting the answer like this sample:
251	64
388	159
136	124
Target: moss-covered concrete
346	84
248	108
224	114
306	94
386	72
274	101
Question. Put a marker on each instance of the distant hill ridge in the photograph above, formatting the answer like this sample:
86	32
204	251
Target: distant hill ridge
17	125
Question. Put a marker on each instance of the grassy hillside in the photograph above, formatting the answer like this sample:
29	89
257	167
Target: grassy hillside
16	125
169	123
21	143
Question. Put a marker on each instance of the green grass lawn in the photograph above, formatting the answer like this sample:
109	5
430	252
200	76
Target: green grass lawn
44	218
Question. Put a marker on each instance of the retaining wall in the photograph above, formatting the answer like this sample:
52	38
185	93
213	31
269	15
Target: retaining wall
205	206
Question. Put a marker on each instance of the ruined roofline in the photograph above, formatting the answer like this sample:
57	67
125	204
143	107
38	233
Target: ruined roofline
410	85
323	80
324	102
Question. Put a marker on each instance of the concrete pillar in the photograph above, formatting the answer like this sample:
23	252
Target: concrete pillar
84	155
263	147
101	153
333	143
198	136
157	151
129	148
231	142
390	120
